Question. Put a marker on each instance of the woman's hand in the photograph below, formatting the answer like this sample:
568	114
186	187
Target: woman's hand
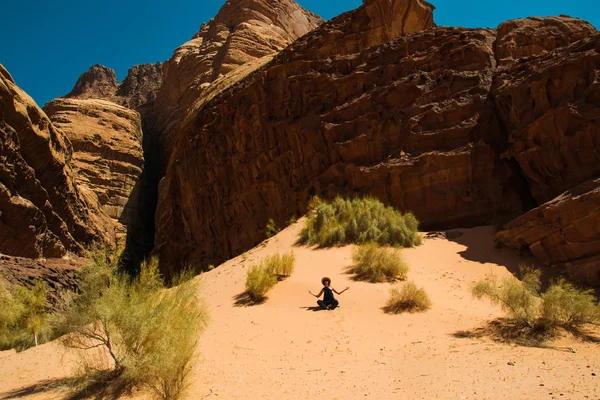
311	293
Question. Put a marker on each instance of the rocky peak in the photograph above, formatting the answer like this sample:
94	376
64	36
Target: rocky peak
139	86
242	37
390	18
526	37
98	82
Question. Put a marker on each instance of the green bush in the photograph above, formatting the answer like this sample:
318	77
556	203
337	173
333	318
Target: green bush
258	282
280	265
24	321
562	305
569	307
409	298
374	263
150	332
358	221
261	278
518	298
272	228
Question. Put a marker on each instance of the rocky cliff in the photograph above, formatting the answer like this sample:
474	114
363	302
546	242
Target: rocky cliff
107	152
405	121
244	35
42	212
564	231
429	121
139	86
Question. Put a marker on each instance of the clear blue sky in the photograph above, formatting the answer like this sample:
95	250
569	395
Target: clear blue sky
46	45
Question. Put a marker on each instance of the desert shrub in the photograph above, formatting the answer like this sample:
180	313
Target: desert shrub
148	331
408	298
271	228
280	265
24	321
258	282
569	307
358	221
561	305
519	298
374	263
261	278
292	220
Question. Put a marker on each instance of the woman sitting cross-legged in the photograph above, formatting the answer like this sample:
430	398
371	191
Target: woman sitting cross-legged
328	302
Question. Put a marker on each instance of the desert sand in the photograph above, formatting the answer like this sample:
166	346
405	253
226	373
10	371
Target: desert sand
286	349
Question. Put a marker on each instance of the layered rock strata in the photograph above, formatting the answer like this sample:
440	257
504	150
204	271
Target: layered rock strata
42	212
107	152
564	232
243	36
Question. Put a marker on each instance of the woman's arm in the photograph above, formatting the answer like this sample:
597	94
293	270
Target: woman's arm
347	287
316	295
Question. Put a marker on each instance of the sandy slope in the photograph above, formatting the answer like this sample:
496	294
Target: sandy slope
285	349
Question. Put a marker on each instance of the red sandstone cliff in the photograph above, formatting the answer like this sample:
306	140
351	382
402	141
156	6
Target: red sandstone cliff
42	212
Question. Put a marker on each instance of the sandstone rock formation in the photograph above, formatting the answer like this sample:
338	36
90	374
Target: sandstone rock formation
139	86
107	152
244	35
533	36
423	121
405	121
60	275
564	231
550	105
42	213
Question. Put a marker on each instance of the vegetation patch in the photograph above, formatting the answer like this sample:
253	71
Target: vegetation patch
261	278
24	320
374	263
408	298
562	305
149	332
358	221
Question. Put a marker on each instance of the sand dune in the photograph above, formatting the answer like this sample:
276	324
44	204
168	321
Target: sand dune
285	349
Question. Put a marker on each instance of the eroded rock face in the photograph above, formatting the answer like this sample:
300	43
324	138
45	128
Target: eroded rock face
406	121
107	152
550	105
42	212
533	36
60	275
243	36
564	231
139	86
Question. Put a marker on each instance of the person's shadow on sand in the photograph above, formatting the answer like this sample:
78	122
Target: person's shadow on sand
313	308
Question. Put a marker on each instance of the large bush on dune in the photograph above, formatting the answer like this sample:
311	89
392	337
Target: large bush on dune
148	331
561	305
359	221
374	263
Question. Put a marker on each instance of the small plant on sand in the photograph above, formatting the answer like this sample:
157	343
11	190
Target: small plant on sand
258	282
280	265
24	320
245	257
261	278
272	228
359	221
293	219
408	298
374	263
149	332
562	305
